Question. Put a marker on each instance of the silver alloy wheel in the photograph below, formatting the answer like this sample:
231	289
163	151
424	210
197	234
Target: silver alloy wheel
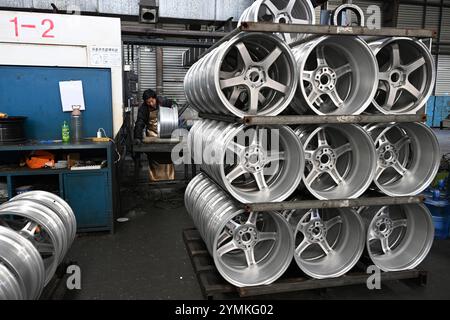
58	205
254	164
339	12
281	11
328	242
408	157
41	226
338	75
9	286
167	121
248	249
340	160
406	75
398	237
22	259
251	74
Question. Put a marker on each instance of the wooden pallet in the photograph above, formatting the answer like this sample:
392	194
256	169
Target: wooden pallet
212	283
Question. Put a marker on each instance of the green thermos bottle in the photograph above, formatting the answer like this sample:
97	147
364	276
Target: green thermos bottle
65	132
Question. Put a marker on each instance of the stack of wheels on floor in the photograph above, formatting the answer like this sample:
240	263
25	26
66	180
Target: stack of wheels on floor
266	75
37	230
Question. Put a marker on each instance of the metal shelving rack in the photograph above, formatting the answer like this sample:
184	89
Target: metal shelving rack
317	31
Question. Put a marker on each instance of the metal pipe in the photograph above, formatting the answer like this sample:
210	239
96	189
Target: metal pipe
159	70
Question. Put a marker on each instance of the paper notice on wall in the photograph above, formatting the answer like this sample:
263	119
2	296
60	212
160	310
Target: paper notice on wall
107	57
71	95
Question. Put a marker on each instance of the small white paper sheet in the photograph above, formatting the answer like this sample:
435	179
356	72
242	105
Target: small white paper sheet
71	95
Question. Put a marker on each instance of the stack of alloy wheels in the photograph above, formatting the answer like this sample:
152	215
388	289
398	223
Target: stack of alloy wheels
36	230
262	74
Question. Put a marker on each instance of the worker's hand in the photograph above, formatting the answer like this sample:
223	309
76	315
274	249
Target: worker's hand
137	141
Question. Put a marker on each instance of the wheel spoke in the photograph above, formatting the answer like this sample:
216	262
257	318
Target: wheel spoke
30	228
256	139
332	222
299	21
232	225
322	138
250	257
260	180
391	98
271	7
378	173
307	76
232	82
343	149
325	247
228	247
245	55
383	76
252	218
45	248
312	176
412	89
235	148
275	156
399	168
343	70
334	96
235	173
402	142
271	58
290	6
264	236
227	74
302	247
334	174
275	85
313	96
254	101
235	95
385	245
415	65
399	223
395	55
223	237
320	53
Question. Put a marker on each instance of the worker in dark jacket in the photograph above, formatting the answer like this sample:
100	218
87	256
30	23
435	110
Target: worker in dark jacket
148	115
160	164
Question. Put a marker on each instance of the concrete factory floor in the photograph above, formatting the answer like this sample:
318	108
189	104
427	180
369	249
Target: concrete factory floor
146	257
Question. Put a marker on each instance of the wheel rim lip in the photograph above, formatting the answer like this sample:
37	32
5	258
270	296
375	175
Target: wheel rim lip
377	46
268	111
352	258
420	256
51	226
296	178
305	50
167	121
9	286
30	275
418	130
55	203
281	267
251	15
372	158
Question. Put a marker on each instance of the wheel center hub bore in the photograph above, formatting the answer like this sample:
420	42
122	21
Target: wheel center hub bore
255	77
254	159
397	77
383	227
325	79
283	18
316	231
324	159
387	155
246	236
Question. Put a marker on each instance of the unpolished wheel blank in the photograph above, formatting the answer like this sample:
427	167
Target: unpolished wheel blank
398	237
9	286
281	11
338	75
249	249
408	157
340	160
328	242
406	75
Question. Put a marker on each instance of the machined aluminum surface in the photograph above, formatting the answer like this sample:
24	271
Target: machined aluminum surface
398	237
340	160
24	262
167	121
337	76
9	285
281	11
328	242
254	164
408	157
250	74
406	75
249	249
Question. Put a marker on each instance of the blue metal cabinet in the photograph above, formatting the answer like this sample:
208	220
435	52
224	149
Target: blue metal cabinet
89	196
